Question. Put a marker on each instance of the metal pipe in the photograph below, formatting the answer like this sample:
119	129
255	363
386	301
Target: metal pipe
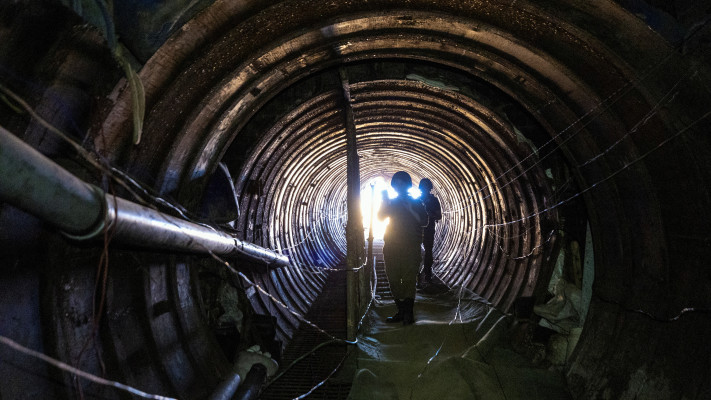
142	226
34	183
249	372
253	383
227	388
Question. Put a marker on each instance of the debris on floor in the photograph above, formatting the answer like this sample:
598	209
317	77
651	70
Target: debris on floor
460	347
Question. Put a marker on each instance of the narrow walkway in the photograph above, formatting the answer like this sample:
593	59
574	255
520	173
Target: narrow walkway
329	313
458	348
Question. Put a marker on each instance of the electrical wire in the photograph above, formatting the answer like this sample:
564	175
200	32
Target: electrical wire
100	289
533	250
612	175
122	178
68	368
612	99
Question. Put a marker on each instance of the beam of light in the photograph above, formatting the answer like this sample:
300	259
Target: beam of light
379	185
414	192
368	200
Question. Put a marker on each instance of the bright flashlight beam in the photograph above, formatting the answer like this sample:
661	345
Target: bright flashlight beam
365	203
379	185
414	192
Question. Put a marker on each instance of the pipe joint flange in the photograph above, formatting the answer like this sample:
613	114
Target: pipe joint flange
101	223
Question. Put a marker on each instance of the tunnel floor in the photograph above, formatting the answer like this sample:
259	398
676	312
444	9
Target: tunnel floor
460	347
305	369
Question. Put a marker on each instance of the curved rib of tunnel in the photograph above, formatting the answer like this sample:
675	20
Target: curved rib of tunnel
546	129
402	125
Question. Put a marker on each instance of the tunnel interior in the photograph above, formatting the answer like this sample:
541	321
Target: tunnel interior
298	164
562	137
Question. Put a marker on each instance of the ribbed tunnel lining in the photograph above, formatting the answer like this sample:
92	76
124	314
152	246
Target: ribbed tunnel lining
621	104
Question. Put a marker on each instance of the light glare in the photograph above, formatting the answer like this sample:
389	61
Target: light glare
365	204
414	192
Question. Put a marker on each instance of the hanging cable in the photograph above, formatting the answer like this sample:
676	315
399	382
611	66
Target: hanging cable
68	368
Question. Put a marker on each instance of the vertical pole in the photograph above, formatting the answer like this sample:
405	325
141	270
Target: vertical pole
370	228
354	225
370	264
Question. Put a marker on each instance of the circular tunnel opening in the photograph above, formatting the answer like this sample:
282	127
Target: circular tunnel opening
429	120
525	159
495	177
549	130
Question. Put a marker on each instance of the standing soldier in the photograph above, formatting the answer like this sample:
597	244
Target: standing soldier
434	213
401	249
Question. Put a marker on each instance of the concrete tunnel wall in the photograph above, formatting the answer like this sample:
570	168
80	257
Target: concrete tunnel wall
486	98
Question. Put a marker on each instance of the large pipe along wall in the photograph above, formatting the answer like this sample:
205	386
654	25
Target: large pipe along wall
534	121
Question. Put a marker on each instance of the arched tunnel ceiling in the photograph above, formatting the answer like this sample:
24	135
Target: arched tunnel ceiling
531	118
471	155
587	81
560	66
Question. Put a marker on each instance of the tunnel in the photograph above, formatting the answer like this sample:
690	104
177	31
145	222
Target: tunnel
560	135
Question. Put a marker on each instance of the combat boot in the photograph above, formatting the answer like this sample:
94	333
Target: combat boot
408	314
400	312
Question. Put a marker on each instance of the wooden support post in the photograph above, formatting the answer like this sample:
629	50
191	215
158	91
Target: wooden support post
354	226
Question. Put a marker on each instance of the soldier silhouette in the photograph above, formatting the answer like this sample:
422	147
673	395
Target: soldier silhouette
434	214
401	248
